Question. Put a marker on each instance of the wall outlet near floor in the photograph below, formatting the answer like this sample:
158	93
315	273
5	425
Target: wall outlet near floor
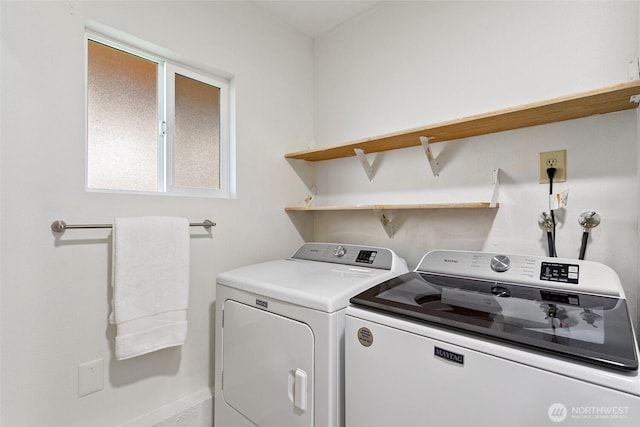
90	377
556	159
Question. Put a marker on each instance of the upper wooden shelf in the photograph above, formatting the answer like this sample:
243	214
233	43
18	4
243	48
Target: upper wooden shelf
606	100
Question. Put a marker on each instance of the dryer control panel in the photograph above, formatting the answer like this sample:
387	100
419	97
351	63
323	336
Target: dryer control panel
364	256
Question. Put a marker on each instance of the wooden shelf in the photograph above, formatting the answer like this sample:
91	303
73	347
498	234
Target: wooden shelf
606	100
479	205
380	210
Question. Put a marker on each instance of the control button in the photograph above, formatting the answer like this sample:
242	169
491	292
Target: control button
500	263
340	251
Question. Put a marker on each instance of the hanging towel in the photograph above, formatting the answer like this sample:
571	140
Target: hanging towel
150	284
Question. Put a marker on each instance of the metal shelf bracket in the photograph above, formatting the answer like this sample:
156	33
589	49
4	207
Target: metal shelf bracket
308	200
385	221
435	166
496	188
368	168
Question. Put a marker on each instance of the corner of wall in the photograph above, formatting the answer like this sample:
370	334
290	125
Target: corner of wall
637	319
0	217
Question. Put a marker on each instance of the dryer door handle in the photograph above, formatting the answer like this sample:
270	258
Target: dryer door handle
298	389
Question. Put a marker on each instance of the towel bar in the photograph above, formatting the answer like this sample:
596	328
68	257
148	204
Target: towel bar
59	226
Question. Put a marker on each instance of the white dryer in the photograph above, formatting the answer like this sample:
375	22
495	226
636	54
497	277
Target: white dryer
279	334
480	339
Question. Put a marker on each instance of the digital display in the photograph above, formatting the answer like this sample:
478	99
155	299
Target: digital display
366	257
556	272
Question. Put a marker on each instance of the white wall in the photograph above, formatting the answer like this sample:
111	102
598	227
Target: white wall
408	64
400	65
55	291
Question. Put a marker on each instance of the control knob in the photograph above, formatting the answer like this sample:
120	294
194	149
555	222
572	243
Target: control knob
340	251
500	263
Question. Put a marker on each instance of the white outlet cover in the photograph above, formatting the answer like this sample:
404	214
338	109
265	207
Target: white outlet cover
90	377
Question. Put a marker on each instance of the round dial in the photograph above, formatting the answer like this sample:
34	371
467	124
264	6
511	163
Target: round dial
500	263
340	251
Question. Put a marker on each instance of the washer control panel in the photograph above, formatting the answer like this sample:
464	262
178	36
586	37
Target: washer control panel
563	273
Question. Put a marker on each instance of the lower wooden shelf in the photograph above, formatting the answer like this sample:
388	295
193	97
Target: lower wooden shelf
478	205
379	210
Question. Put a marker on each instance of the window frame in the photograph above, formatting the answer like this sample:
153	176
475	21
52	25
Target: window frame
166	71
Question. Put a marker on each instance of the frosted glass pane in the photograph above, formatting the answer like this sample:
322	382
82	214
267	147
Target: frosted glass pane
197	135
122	120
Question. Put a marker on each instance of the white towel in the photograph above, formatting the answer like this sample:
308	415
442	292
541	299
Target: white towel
150	284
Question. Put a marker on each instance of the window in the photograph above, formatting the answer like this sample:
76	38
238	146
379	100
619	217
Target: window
154	126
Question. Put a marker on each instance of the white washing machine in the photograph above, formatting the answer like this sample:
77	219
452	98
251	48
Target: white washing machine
279	355
477	339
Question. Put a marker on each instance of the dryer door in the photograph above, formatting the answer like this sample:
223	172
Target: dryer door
267	366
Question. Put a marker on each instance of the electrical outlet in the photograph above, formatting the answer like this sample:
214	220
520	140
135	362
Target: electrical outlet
90	377
555	159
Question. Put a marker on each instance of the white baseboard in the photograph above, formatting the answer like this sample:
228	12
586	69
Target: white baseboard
195	410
